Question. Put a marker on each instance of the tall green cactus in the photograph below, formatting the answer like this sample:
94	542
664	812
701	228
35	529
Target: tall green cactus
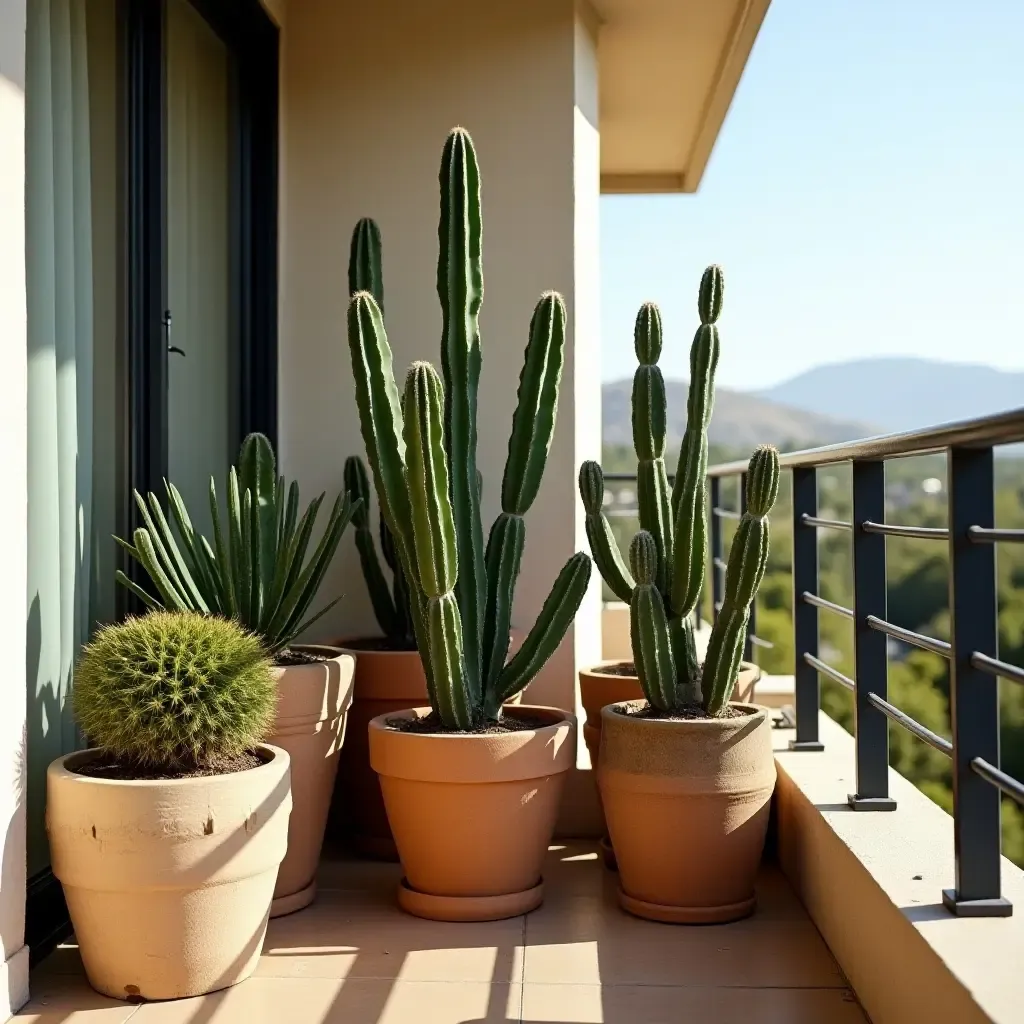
667	557
422	454
390	605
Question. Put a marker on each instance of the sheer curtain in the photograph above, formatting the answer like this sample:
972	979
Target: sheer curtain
59	263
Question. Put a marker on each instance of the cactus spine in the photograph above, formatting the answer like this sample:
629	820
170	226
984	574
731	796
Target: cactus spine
423	461
391	607
667	557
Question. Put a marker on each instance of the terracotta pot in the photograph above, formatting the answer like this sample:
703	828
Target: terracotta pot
312	705
473	815
687	807
599	689
385	682
168	882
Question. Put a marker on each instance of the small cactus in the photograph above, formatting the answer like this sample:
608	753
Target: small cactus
422	455
667	557
174	689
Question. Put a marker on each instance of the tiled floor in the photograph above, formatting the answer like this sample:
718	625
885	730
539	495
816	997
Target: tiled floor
353	958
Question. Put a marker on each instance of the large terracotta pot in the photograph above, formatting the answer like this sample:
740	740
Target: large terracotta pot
473	814
600	688
385	682
168	882
687	806
312	706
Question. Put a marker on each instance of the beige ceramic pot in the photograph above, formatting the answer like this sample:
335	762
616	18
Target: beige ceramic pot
687	809
168	883
385	682
312	705
600	688
473	814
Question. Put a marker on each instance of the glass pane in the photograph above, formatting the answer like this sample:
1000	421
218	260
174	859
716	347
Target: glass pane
201	375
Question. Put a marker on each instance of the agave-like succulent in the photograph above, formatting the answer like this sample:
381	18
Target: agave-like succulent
663	581
174	689
256	570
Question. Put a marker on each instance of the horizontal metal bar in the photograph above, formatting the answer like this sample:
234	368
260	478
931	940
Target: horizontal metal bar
761	642
893	713
920	532
725	513
1006	783
825	524
908	636
983	535
827	670
829	606
1004	428
995	667
720	563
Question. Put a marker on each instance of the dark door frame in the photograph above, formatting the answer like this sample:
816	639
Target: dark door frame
252	38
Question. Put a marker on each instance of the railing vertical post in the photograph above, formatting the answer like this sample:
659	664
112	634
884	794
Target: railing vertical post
805	616
748	643
716	547
872	663
973	695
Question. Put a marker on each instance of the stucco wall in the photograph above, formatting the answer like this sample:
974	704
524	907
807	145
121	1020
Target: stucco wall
369	92
14	966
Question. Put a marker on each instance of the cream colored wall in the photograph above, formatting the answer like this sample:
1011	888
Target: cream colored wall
14	961
369	92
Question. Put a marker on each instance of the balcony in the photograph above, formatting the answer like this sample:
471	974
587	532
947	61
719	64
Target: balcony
865	882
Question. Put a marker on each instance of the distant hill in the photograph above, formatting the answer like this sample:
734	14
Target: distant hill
740	420
901	394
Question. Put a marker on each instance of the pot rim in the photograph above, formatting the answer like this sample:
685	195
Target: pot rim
477	758
756	713
339	652
344	646
380	723
57	769
595	669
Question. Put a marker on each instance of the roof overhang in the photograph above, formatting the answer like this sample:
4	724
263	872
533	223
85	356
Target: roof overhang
668	70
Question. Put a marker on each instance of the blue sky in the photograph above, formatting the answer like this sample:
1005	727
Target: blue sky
865	198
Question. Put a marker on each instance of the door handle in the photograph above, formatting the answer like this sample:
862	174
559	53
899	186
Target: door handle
167	334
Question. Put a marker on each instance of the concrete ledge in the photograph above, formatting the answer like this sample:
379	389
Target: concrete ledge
872	883
13	983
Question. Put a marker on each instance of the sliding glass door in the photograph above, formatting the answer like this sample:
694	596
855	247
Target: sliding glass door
202	377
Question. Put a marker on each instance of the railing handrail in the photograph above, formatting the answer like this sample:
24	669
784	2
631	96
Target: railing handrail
982	432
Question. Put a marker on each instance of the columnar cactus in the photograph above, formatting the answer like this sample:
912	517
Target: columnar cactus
667	557
423	461
390	605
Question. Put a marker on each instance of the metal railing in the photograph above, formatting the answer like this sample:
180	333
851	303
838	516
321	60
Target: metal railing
974	668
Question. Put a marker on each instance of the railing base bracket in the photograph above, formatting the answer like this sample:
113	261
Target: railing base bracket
998	907
808	746
871	803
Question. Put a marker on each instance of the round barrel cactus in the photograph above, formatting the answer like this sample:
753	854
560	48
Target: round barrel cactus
174	689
